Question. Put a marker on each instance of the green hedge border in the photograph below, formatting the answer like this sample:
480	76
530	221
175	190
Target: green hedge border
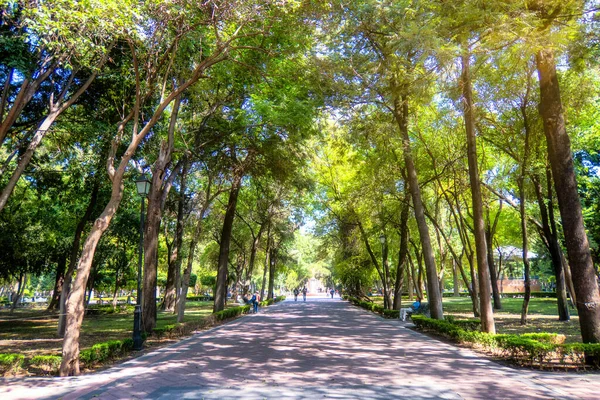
376	308
535	349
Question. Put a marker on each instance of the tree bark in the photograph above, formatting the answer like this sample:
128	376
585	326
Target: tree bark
402	255
456	291
433	290
221	290
62	317
489	236
565	182
485	305
173	274
61	264
20	290
267	262
272	265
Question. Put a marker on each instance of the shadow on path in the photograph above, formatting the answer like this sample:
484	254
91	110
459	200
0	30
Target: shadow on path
322	348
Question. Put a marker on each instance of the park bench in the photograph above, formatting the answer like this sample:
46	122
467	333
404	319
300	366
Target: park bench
422	310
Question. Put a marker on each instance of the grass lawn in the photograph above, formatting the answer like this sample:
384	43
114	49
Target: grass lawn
542	315
33	331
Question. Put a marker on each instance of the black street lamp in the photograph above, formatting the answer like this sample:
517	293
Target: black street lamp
143	188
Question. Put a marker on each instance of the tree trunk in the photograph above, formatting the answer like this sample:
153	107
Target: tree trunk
161	184
489	236
114	300
455	283
549	232
563	171
387	304
485	305
61	264
267	263
174	271
433	291
221	290
272	265
62	317
526	265
402	255
253	250
20	289
185	282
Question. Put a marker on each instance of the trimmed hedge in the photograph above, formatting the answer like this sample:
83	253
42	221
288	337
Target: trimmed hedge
548	295
532	348
270	302
508	294
376	308
105	309
199	298
49	364
101	352
11	362
231	312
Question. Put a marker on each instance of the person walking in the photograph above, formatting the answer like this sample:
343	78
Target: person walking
254	302
332	292
304	291
296	293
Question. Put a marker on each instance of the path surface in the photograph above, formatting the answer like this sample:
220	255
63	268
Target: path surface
324	348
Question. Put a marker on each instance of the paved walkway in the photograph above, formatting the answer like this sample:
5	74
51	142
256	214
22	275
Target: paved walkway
324	348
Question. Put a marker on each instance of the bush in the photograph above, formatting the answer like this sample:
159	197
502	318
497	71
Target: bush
101	352
279	298
47	363
199	298
369	305
11	362
231	312
533	348
391	314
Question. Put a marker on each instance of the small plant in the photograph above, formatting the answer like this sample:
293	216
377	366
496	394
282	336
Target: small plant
48	364
11	362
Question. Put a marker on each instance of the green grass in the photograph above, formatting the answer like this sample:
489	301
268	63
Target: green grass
537	306
33	331
542	316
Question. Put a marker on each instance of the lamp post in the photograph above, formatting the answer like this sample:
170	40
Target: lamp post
143	188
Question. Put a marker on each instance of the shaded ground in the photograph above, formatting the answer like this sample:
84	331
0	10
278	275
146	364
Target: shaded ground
33	331
323	348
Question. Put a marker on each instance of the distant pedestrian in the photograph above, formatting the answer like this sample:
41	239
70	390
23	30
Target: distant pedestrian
332	292
304	291
254	302
296	293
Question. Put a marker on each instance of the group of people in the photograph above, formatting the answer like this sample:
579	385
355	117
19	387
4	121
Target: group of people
253	301
297	292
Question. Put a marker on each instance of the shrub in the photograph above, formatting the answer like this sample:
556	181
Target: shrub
231	312
47	363
534	348
11	362
369	305
101	352
279	298
199	298
391	314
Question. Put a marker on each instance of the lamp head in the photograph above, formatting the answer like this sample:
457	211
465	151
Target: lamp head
143	185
